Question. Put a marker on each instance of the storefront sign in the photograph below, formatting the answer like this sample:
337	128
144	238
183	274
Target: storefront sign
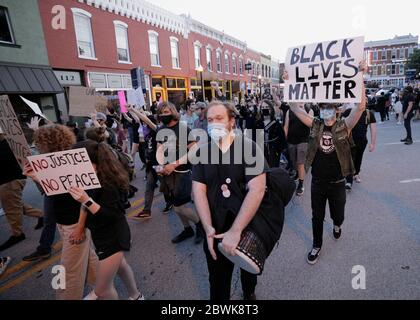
68	78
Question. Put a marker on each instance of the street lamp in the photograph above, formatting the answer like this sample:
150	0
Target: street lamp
259	81
200	69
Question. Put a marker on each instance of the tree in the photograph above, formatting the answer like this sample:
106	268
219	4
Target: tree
414	61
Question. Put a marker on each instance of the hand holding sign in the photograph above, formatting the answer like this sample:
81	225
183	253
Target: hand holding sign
79	194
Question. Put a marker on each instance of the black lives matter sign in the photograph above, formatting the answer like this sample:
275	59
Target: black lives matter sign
12	129
325	72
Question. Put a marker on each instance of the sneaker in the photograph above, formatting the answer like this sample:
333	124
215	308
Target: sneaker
404	140
12	241
313	256
168	208
250	297
357	179
40	223
300	191
408	142
143	215
4	262
140	298
337	232
91	296
36	256
184	235
348	186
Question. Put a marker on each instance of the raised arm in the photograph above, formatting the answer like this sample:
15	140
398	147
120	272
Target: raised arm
300	112
286	124
142	117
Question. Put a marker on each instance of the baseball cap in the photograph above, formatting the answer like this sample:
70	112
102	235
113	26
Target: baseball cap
101	116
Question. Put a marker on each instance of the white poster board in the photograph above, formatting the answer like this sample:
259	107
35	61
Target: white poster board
325	72
10	126
82	101
136	97
59	171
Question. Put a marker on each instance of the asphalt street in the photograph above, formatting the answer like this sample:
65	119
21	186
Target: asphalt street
381	233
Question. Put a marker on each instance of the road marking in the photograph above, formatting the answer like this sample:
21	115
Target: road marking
23	264
38	267
410	181
395	143
137	203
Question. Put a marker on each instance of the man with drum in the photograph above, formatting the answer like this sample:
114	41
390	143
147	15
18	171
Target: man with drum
227	194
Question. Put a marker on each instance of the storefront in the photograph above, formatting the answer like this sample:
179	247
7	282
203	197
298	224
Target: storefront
35	83
170	89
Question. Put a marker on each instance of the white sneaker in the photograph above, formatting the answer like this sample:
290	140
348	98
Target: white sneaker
140	298
357	179
91	296
4	262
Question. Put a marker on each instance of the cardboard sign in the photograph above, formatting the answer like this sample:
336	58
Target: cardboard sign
123	102
101	104
136	97
325	72
14	134
59	171
82	101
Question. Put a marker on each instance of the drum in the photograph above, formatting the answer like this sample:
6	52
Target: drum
250	253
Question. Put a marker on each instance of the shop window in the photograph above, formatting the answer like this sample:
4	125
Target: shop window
6	34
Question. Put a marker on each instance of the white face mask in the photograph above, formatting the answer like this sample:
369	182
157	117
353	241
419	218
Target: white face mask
217	131
327	114
114	125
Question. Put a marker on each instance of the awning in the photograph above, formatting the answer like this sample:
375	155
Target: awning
28	79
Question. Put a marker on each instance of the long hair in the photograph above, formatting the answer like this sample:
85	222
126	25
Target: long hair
167	105
109	169
54	138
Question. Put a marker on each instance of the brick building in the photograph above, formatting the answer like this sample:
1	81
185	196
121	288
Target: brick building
387	59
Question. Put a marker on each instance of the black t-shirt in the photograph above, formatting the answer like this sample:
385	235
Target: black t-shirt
326	165
298	131
174	142
151	147
66	210
359	132
9	167
406	101
225	205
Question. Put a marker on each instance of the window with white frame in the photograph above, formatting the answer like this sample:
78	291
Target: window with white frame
410	51
121	34
400	53
6	34
401	68
227	65
234	66
383	55
154	48
393	69
219	61
84	36
241	66
175	53
375	55
394	54
197	55
208	59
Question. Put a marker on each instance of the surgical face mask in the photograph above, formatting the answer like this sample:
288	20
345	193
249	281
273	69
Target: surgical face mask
114	125
327	114
217	131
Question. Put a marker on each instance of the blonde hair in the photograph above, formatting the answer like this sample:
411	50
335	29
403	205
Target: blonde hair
167	105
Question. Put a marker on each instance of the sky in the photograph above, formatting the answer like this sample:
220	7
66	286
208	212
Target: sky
273	26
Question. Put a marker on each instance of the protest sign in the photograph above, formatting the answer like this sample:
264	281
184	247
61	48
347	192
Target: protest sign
13	131
59	171
123	101
82	101
136	97
325	72
35	108
101	104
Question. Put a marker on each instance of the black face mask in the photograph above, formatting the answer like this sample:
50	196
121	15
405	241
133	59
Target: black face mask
265	112
166	119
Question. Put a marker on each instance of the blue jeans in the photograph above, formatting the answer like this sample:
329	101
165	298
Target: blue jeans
48	232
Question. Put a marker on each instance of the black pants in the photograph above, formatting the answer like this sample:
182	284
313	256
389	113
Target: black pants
407	125
357	154
335	193
382	111
220	276
142	152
